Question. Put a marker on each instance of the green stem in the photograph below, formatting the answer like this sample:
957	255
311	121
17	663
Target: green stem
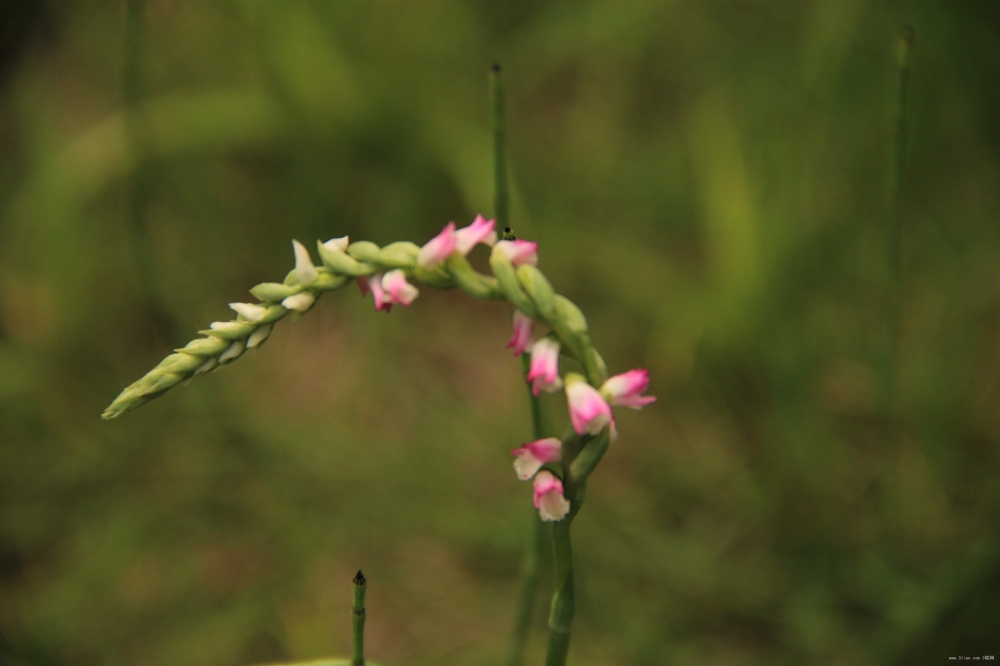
358	621
522	623
895	244
501	197
137	133
563	601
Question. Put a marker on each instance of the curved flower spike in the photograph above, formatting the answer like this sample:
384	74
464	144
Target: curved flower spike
587	409
438	248
250	311
624	389
544	372
531	457
398	289
382	300
480	231
519	251
300	302
337	244
521	339
549	498
304	269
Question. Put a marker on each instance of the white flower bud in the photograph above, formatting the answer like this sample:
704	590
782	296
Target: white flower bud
337	244
258	336
299	302
251	312
233	352
304	269
205	367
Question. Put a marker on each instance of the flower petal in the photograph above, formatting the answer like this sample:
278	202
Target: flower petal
337	244
587	408
399	290
438	248
544	371
520	340
624	389
519	251
531	457
548	497
480	231
304	269
250	311
299	302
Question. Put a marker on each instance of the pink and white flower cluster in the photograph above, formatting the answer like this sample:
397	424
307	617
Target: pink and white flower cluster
388	289
461	240
589	408
548	497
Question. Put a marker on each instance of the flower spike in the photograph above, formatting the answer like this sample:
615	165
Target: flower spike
531	457
521	339
624	389
544	372
549	499
587	409
438	248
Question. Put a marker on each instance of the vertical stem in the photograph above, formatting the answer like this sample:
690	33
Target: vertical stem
358	621
137	133
500	196
140	183
537	424
563	601
895	245
525	607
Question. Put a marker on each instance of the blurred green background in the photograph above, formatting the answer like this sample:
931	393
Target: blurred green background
711	181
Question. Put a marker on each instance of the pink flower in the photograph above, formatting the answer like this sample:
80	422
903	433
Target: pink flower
363	285
624	389
438	248
549	498
480	231
521	339
518	251
544	371
382	300
531	457
399	290
587	409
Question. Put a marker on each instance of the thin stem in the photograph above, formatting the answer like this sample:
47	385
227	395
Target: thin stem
537	422
358	621
563	601
137	133
895	244
501	198
525	609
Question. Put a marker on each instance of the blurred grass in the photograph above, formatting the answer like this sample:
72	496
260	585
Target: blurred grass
710	181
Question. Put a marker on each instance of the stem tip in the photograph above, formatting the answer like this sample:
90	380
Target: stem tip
359	579
495	68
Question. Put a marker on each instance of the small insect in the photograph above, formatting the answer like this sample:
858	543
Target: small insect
508	234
